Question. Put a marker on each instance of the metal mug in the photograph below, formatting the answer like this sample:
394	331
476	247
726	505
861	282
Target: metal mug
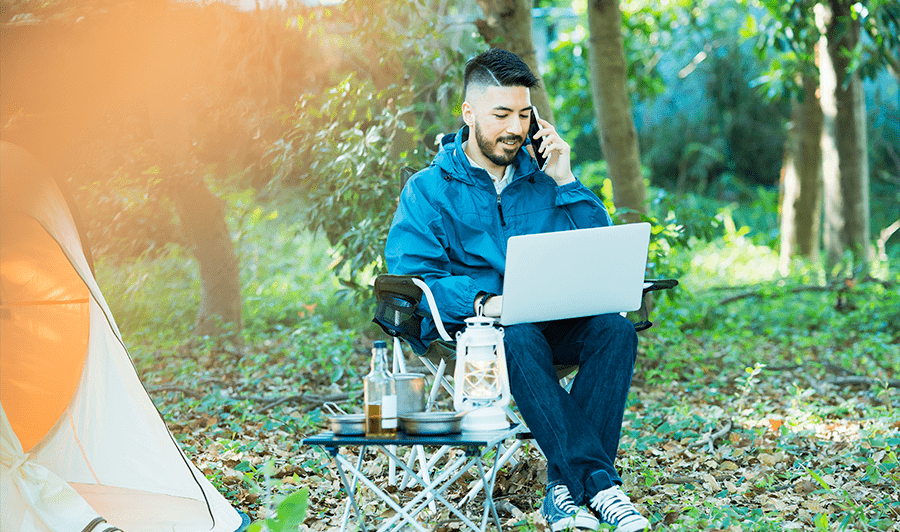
410	392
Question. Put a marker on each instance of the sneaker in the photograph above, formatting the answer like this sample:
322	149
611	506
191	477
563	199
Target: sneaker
615	508
561	512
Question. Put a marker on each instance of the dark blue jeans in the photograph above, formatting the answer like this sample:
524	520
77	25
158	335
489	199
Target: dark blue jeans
578	431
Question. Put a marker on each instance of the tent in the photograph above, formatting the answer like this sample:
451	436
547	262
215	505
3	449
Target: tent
83	446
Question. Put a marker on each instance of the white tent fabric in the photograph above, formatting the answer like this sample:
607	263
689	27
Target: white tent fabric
32	496
110	448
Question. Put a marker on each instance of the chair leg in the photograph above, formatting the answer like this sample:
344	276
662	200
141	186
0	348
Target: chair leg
398	365
435	386
392	467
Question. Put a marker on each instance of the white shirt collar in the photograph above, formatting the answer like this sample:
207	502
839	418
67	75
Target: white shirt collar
499	183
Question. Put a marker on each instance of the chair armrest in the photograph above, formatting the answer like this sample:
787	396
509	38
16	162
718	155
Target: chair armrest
412	288
651	285
435	315
398	284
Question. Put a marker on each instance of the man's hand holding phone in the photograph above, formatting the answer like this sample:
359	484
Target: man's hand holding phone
552	153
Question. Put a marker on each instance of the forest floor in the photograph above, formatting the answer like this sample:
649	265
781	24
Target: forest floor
770	408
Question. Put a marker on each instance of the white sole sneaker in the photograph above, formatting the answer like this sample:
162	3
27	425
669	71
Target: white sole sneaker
616	509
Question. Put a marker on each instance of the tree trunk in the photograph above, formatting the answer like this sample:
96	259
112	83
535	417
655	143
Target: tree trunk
612	107
833	200
802	179
789	192
847	181
808	207
507	24
850	131
202	216
203	220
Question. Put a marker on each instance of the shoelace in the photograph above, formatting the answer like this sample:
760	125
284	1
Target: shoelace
615	507
563	500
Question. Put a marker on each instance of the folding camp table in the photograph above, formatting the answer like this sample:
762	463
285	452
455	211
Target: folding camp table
476	446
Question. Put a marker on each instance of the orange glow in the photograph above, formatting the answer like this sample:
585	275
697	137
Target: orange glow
44	323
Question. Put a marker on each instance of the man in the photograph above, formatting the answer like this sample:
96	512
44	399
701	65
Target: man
451	228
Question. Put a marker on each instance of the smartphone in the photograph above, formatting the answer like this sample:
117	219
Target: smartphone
532	131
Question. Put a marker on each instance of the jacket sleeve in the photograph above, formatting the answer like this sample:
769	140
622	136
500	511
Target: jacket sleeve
582	206
416	245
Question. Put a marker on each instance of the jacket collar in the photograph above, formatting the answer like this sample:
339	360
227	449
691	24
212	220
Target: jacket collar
452	159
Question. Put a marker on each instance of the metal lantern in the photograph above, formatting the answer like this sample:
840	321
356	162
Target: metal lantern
482	388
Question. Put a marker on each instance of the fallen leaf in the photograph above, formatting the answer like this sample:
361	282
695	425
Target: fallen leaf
767	459
710	482
805	486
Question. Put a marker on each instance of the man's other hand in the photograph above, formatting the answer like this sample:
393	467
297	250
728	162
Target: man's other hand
493	306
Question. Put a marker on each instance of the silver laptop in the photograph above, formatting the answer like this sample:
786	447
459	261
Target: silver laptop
570	274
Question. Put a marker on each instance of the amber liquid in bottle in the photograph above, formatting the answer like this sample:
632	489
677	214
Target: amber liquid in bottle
374	426
380	396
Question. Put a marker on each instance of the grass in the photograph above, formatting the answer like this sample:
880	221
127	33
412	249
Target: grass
805	450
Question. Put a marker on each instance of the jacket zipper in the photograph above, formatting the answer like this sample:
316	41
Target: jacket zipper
500	210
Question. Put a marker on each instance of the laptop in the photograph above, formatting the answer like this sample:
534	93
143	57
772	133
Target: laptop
570	274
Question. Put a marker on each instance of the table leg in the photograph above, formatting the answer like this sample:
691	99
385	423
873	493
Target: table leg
381	494
488	484
347	506
507	457
351	494
434	490
484	455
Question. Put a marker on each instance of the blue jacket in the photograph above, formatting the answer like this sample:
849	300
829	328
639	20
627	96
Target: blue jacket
451	226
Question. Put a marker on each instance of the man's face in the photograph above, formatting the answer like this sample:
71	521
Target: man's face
500	118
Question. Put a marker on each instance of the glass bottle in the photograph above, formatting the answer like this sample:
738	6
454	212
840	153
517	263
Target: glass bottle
380	393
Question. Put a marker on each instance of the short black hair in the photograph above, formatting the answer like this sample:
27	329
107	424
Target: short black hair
500	68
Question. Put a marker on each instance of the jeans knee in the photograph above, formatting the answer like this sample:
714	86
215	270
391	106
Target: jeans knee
522	343
521	334
617	327
624	329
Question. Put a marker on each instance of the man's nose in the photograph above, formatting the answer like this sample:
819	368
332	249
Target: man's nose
515	127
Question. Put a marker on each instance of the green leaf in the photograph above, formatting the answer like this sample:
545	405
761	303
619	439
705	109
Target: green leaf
818	479
292	509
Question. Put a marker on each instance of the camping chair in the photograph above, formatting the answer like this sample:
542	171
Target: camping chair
398	299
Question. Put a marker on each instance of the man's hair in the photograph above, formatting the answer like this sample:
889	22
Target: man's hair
499	68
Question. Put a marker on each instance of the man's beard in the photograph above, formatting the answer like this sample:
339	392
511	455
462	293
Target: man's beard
487	148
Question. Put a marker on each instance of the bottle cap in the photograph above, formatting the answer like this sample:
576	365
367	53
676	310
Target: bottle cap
379	344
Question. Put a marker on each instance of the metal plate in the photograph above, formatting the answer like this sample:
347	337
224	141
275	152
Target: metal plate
431	423
348	424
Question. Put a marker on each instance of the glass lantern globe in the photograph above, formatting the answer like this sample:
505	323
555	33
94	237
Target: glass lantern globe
482	387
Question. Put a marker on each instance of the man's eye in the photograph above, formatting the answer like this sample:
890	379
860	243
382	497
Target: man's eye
500	117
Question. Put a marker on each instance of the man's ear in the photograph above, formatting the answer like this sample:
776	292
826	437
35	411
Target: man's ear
468	113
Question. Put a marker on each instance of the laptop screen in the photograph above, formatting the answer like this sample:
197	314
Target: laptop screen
569	274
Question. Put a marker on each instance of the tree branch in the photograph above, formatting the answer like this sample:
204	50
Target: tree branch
843	377
710	439
854	380
174	388
795	290
305	398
